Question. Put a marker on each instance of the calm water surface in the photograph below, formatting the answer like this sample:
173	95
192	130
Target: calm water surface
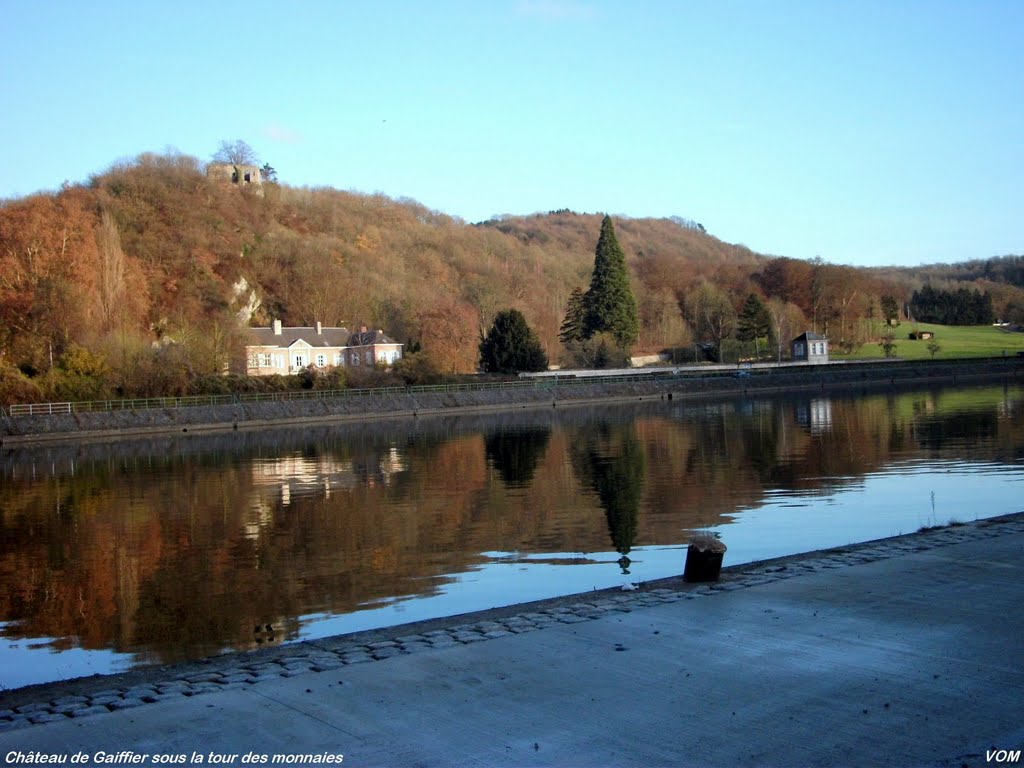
153	552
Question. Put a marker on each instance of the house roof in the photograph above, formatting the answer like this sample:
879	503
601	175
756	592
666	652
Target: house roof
810	336
328	337
368	338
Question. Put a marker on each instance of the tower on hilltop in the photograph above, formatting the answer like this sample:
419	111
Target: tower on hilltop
243	176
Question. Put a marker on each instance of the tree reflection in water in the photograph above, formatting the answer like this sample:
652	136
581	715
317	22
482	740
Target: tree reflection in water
516	453
175	548
609	460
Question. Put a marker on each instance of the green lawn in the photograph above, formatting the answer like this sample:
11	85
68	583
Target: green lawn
954	341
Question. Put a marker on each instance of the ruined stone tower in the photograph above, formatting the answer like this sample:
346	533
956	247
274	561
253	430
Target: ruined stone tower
244	176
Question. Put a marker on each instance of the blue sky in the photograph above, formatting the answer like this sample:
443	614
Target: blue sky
864	132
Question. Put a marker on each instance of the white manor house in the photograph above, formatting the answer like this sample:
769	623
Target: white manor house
279	350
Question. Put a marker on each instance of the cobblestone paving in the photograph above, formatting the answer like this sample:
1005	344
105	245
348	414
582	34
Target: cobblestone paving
317	656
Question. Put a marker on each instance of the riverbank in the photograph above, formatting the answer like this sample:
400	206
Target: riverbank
906	647
689	384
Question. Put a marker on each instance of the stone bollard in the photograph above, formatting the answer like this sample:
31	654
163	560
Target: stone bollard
704	558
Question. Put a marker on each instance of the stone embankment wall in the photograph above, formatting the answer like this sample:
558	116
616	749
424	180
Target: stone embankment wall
115	425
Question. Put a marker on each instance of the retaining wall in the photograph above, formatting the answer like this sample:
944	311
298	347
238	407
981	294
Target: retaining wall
118	425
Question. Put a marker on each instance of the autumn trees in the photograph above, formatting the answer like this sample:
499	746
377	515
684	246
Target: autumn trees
158	253
139	255
47	258
152	266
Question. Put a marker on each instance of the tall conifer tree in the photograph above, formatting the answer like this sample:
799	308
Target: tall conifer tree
754	322
611	306
575	317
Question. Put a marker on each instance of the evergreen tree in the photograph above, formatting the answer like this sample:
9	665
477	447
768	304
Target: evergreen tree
575	317
511	346
959	307
890	310
610	304
754	322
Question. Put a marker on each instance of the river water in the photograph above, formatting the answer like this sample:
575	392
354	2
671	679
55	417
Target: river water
150	552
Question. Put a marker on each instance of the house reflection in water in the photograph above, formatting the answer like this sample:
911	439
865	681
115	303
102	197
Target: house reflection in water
815	415
276	481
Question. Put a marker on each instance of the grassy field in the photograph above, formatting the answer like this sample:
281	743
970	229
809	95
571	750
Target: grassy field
954	342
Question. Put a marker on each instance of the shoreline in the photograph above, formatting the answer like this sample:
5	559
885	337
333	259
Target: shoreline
98	694
908	650
110	426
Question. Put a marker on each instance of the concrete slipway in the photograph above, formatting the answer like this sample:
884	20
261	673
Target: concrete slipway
903	652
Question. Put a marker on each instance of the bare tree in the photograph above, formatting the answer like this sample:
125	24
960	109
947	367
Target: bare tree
112	286
711	313
787	319
236	152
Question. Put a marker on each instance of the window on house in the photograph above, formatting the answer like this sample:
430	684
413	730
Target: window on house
300	361
321	361
268	361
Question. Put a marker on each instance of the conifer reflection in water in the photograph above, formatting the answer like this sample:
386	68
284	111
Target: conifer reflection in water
516	453
609	461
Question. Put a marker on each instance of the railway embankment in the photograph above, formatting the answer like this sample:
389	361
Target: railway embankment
116	422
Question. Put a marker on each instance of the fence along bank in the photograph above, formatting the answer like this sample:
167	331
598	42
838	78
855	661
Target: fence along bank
116	420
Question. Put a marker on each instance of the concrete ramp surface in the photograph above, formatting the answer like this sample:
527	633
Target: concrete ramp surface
904	652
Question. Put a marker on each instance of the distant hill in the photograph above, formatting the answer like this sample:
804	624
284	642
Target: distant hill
154	251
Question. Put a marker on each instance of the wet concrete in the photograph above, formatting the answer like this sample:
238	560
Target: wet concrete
901	652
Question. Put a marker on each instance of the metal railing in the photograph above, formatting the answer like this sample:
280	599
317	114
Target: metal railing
193	401
550	381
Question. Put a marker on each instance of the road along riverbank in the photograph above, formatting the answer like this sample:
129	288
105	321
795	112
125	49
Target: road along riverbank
907	648
689	384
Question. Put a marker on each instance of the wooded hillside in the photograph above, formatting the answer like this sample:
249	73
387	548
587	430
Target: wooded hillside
138	277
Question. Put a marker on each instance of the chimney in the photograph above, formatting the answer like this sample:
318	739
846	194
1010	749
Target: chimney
277	327
319	328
